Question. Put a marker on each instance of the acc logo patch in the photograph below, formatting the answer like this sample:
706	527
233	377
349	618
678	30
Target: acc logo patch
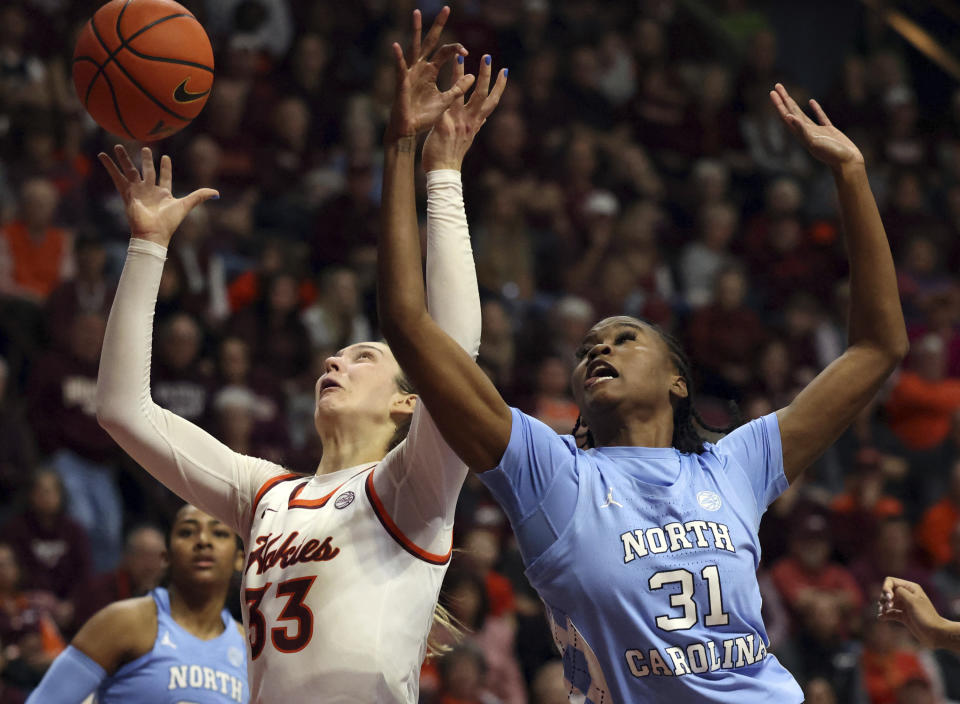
235	656
345	499
709	500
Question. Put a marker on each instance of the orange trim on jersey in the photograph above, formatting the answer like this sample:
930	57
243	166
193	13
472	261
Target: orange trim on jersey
397	534
268	485
294	502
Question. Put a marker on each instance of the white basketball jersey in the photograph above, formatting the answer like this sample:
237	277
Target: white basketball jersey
337	601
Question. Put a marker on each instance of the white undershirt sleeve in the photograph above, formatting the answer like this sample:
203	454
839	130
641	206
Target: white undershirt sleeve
420	480
186	459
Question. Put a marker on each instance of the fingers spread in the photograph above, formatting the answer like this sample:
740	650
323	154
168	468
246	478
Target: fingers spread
415	41
146	164
119	180
129	170
790	103
818	111
197	197
399	61
166	173
494	98
433	36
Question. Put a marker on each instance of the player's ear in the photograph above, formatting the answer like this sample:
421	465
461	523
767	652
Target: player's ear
402	405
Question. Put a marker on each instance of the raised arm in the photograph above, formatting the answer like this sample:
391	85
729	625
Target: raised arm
462	401
877	336
191	463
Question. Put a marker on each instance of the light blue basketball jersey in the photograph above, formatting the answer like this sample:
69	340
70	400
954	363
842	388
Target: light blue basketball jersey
646	560
181	668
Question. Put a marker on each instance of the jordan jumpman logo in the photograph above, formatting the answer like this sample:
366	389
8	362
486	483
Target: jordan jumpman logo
610	501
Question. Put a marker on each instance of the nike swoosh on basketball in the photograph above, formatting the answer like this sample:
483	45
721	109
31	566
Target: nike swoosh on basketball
182	95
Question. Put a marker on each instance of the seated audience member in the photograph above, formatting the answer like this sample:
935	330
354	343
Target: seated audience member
18	448
88	291
864	505
808	575
336	320
140	570
551	403
888	664
547	686
725	335
27	628
51	547
938	522
946	580
821	650
35	256
62	397
702	260
892	552
179	383
917	691
463	672
923	399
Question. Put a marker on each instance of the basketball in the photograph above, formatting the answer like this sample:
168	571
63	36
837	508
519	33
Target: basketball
143	69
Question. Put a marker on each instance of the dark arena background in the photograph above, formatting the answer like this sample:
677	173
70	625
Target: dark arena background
635	166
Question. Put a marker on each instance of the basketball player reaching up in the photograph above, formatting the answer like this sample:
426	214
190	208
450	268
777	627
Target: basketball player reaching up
175	644
343	568
653	596
905	602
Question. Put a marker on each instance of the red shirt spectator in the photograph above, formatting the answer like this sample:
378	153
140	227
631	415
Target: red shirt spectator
922	403
938	521
35	256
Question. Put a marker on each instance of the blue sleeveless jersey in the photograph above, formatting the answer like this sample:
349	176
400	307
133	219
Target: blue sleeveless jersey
646	560
181	668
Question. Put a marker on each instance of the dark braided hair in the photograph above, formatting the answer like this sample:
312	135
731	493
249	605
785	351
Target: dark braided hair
686	418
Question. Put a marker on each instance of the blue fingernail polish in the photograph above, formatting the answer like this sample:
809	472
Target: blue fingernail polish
216	197
506	72
486	60
460	59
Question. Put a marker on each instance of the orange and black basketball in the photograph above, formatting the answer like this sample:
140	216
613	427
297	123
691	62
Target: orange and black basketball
143	68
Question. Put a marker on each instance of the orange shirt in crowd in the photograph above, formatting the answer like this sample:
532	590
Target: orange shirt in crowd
885	673
885	507
36	266
919	411
933	533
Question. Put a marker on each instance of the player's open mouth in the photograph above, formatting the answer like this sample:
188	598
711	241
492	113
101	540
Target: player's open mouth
598	372
327	383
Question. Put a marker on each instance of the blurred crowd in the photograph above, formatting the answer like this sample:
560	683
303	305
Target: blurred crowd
635	165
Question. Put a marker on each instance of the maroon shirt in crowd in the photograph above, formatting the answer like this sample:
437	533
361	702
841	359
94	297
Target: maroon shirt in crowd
53	558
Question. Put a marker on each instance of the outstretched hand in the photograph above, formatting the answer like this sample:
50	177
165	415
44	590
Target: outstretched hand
453	133
418	103
152	211
907	603
824	141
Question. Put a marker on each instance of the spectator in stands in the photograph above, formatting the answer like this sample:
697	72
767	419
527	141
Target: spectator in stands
939	521
89	291
51	547
336	318
200	270
27	626
887	663
463	673
180	384
725	336
702	260
547	686
892	552
924	399
862	508
235	369
62	395
807	575
822	649
35	255
18	449
9	694
946	579
819	691
552	403
140	570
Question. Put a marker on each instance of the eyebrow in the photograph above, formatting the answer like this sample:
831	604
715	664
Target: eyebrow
194	521
361	345
593	334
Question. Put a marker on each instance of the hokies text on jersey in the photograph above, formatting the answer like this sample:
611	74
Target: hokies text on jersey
268	553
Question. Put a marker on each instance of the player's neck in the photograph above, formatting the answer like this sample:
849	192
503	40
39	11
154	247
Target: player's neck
615	430
198	611
349	447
